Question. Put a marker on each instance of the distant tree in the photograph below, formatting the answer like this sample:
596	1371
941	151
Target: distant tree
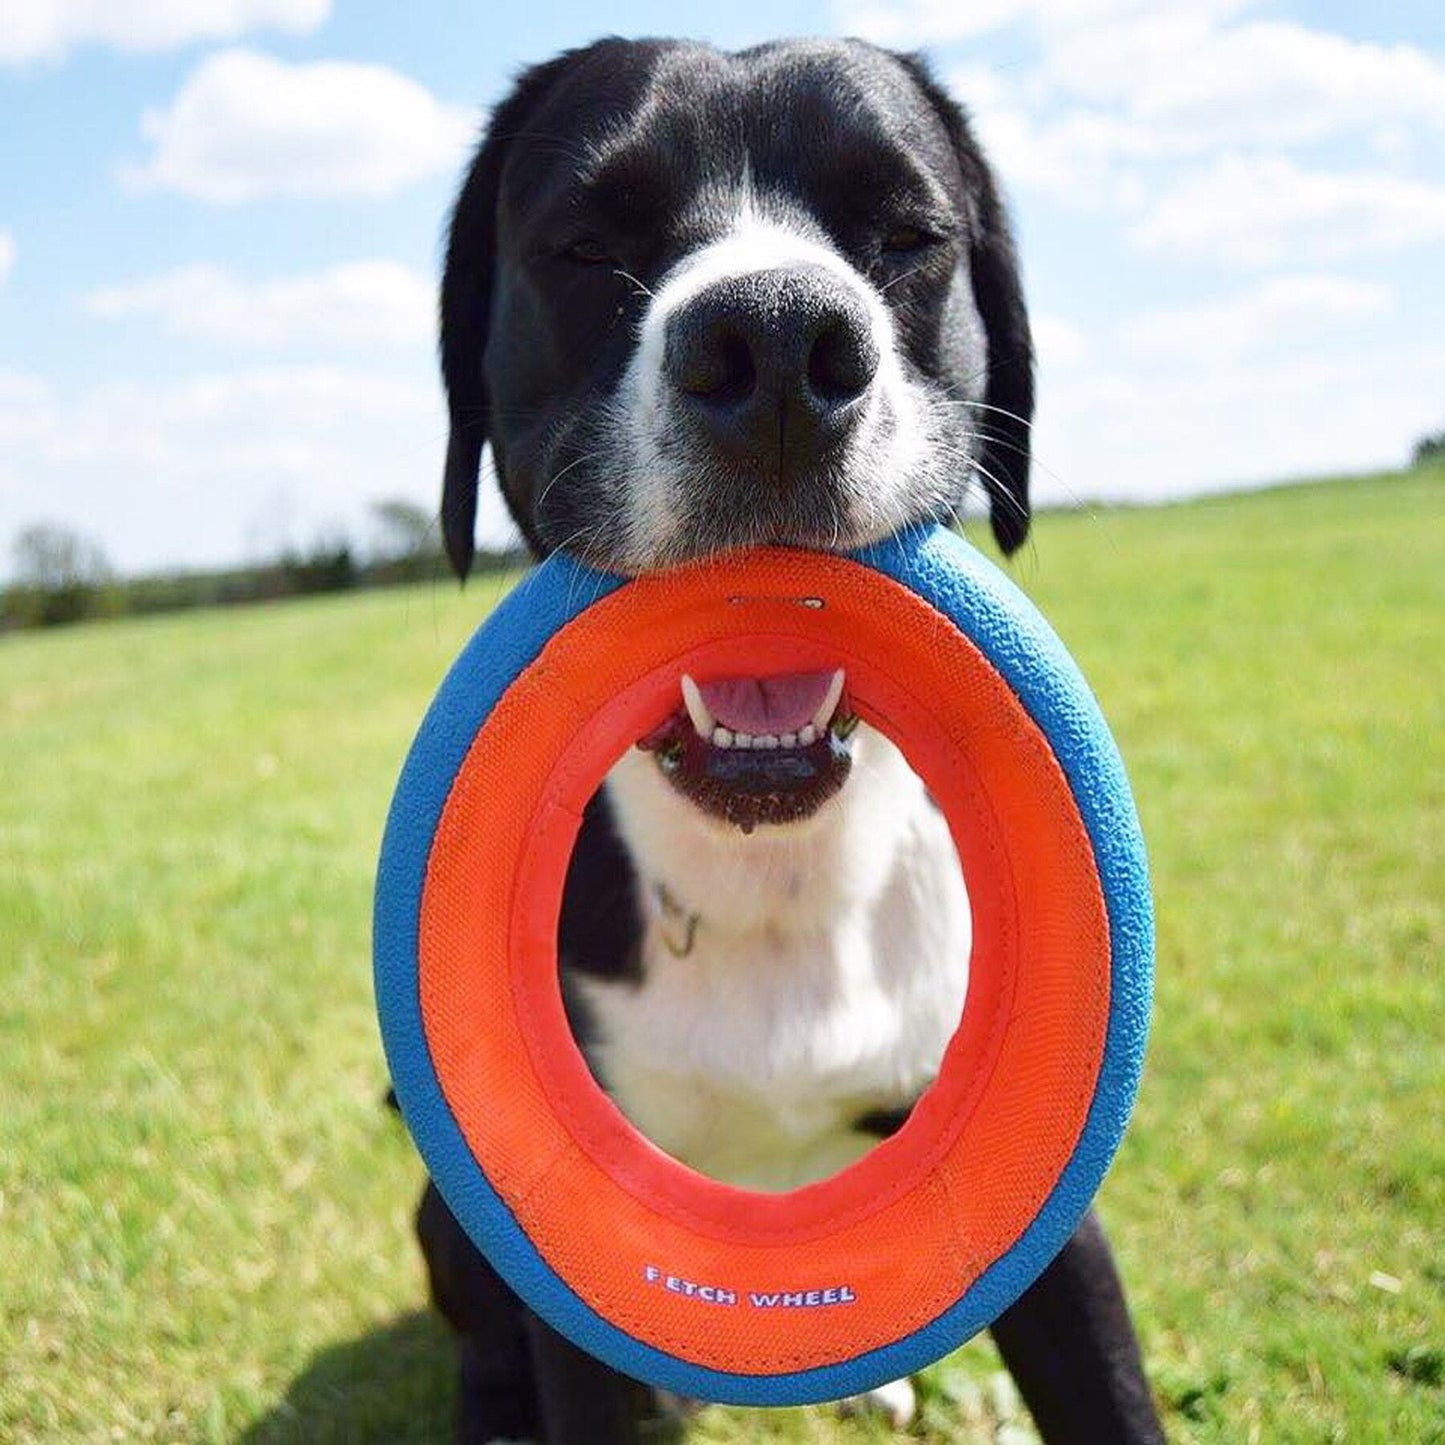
50	556
60	576
328	567
405	529
408	544
1430	449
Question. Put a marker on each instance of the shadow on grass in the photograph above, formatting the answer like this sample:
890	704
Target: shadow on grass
396	1384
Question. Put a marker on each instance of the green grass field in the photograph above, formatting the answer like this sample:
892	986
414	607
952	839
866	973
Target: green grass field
205	1211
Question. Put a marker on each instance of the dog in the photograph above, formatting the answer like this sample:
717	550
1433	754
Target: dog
696	301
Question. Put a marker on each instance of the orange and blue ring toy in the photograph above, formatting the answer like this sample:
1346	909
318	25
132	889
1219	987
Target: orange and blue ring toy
676	1279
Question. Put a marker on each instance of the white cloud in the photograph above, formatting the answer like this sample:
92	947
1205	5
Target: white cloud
944	22
1146	432
358	303
1193	87
1259	210
1057	342
1078	159
1189	66
47	29
221	468
1281	311
1104	94
245	126
926	22
7	256
266	411
22	399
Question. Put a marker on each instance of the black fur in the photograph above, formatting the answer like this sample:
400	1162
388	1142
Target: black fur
599	934
882	1123
1071	1348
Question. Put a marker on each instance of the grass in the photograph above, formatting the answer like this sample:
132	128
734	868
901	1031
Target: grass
204	1211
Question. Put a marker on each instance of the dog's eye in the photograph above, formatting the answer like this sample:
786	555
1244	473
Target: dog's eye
587	251
903	239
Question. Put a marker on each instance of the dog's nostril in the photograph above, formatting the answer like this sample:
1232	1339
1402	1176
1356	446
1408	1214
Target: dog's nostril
843	361
718	366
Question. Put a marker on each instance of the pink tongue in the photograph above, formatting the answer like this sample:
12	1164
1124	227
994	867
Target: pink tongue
776	705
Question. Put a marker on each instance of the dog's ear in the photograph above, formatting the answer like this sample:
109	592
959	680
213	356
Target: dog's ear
466	304
1008	403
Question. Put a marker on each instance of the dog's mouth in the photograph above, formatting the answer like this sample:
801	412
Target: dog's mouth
757	750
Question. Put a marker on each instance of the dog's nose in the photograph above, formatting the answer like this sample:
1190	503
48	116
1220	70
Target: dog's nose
773	365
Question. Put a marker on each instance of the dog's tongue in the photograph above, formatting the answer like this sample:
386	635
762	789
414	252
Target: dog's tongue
777	705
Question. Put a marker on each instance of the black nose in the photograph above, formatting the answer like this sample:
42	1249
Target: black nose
773	366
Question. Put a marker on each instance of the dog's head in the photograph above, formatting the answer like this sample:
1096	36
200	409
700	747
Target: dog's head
697	300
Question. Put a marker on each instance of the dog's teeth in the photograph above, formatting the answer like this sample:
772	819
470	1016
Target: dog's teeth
710	729
697	709
824	715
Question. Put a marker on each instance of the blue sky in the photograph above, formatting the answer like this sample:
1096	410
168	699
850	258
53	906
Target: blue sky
220	223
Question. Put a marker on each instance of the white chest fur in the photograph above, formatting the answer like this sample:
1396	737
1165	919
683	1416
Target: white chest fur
826	972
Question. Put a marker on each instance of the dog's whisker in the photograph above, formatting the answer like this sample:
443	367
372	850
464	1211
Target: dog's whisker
642	288
1002	411
557	477
906	276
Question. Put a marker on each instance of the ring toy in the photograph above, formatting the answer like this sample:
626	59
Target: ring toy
676	1279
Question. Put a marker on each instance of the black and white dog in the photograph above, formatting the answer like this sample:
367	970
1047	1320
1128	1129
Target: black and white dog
694	301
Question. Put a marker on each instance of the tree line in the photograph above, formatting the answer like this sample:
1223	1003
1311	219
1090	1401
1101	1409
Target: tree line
61	576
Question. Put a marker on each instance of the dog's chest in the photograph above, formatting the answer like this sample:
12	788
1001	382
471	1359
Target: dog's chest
754	1053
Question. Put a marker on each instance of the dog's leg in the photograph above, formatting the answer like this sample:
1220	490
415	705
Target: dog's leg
520	1380
1070	1346
582	1401
497	1398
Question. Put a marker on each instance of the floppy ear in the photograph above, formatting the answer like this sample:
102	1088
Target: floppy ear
1004	426
466	305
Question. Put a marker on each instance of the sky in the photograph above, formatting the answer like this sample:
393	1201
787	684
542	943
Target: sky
221	220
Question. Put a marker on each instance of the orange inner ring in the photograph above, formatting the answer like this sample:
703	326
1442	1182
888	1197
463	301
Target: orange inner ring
677	1260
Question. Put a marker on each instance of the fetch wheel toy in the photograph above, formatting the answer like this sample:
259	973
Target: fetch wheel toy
674	1278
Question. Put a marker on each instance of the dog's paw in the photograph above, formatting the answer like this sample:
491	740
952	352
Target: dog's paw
895	1402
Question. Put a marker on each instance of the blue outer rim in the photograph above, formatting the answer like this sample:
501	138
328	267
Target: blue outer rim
986	606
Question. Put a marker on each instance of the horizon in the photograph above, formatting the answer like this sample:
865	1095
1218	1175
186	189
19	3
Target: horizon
508	552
